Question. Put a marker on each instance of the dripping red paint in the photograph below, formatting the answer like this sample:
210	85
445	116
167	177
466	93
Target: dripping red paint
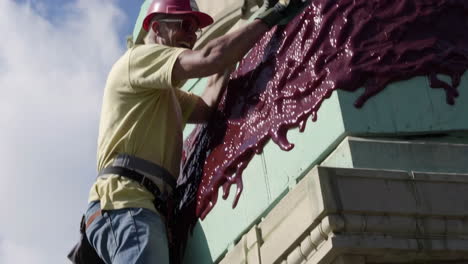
345	45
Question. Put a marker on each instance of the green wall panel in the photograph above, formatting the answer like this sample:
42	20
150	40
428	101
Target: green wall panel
284	168
223	226
406	107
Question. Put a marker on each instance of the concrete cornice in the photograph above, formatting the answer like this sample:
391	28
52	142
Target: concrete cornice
381	215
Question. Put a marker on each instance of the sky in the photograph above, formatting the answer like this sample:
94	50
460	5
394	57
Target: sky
54	60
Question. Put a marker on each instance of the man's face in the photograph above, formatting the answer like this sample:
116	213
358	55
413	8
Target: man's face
177	31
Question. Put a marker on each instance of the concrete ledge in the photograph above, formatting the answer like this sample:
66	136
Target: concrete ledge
380	215
446	154
246	250
386	249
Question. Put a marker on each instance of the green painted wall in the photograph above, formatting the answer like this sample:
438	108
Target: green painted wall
407	107
404	108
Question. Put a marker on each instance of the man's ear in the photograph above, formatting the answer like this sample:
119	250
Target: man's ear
155	27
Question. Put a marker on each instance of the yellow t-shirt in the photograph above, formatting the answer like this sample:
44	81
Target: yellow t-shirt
143	114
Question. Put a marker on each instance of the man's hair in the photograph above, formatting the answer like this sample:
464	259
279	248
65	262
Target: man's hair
149	35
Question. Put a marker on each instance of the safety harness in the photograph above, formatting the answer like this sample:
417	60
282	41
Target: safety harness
149	175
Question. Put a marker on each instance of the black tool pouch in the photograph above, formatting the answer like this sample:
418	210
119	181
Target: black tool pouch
83	252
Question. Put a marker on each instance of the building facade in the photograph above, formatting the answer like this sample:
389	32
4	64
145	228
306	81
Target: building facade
386	183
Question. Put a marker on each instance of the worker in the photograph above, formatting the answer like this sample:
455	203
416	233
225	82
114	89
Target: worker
143	115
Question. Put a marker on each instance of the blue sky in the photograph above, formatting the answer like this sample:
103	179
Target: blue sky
55	10
54	60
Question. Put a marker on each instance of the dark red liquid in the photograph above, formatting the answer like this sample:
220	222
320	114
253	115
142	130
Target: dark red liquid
345	45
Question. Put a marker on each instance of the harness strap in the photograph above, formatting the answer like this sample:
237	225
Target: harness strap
160	200
145	167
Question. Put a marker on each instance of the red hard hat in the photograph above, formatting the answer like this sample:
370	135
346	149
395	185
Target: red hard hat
176	7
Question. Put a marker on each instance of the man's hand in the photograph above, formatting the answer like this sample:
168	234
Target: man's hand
282	12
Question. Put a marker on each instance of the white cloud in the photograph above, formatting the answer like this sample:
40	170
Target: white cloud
10	252
51	81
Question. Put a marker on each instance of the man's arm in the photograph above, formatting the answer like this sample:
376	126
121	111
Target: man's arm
210	97
219	53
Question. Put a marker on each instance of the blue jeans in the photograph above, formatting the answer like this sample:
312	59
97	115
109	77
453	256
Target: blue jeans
127	236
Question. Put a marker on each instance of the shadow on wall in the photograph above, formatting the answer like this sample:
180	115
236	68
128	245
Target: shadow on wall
197	247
